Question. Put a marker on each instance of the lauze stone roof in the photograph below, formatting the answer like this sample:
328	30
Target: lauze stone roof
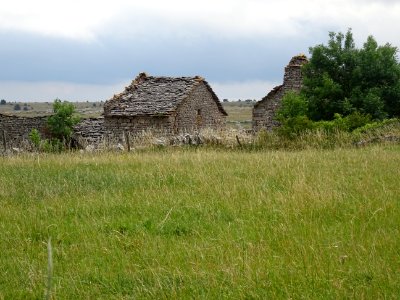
154	96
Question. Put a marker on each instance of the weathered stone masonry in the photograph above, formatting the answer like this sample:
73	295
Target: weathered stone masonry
198	111
264	111
17	129
90	131
164	105
87	132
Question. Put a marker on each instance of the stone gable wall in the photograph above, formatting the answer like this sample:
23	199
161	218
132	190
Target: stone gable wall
264	111
198	111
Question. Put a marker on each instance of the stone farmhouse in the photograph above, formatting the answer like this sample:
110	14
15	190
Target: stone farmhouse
164	105
169	105
264	110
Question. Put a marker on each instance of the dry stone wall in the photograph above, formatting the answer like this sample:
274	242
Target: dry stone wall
118	126
264	111
17	129
87	132
90	132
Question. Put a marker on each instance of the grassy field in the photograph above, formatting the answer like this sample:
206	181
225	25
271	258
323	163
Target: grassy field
32	109
239	113
201	223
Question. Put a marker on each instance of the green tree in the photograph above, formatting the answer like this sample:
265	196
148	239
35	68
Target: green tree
3	102
293	115
293	105
61	123
340	78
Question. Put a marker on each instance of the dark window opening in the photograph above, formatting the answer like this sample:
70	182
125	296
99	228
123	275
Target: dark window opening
199	118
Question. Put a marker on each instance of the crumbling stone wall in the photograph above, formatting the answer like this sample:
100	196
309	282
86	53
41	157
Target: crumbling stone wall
17	129
198	111
264	111
89	131
118	126
293	79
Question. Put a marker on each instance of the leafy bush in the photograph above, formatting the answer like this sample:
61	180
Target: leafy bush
34	137
292	127
293	105
356	120
46	145
292	115
294	118
297	125
378	125
62	122
339	123
52	146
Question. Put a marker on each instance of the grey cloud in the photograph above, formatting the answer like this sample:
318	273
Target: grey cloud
37	58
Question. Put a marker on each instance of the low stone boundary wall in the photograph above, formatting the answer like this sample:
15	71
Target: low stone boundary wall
16	129
90	133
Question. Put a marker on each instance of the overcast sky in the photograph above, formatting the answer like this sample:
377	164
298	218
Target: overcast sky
82	50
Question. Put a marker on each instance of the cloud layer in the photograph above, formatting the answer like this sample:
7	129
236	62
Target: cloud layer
238	44
88	19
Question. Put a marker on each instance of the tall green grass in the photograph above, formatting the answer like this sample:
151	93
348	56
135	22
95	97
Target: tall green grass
198	223
387	131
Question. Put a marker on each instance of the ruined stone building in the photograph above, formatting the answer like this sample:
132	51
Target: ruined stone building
264	111
163	105
169	105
